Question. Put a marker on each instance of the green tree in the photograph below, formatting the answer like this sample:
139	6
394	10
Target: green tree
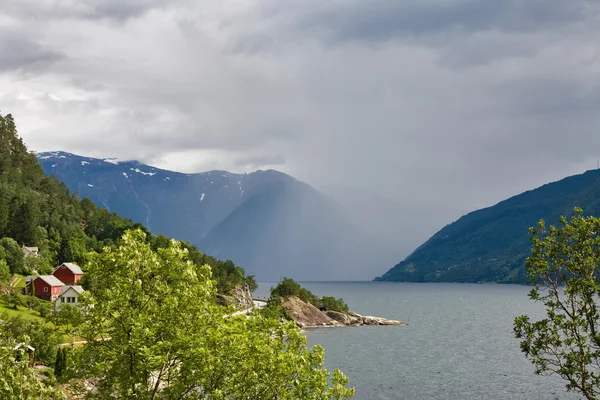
43	336
17	380
251	282
331	303
41	265
67	317
564	263
154	331
4	273
288	287
13	298
14	254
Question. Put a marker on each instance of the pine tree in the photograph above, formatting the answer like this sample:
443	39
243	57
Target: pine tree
58	365
65	361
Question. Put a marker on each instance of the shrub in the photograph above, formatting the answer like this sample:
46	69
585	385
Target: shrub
332	304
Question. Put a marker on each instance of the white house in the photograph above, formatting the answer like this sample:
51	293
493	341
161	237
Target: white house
69	295
30	251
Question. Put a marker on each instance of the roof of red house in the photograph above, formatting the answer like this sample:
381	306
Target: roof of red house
50	280
73	267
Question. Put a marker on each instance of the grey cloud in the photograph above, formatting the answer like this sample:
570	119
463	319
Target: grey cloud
20	52
484	48
117	10
124	9
381	20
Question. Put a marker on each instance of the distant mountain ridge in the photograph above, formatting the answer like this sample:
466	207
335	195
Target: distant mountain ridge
267	222
491	245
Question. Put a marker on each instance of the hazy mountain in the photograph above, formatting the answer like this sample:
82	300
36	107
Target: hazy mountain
490	245
268	222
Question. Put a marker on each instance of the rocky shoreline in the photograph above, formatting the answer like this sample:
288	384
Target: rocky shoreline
308	316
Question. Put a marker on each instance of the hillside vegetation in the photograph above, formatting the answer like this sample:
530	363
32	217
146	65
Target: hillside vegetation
38	210
148	322
491	245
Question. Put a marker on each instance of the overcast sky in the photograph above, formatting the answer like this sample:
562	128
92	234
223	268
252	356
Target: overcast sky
443	105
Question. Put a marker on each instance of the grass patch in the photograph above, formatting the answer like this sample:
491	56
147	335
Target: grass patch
18	281
20	312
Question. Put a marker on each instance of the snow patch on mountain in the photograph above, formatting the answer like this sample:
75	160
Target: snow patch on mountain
142	172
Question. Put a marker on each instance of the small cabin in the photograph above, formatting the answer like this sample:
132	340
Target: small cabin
68	273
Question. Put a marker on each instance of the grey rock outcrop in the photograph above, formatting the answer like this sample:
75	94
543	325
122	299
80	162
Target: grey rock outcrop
242	297
344	319
368	320
308	316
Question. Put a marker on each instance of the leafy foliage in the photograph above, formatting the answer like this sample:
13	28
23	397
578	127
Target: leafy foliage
288	287
17	381
13	255
332	304
565	261
4	273
154	331
42	336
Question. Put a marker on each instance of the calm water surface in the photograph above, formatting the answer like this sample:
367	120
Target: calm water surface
458	345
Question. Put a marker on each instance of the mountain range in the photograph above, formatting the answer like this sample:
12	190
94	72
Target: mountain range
274	225
491	245
267	222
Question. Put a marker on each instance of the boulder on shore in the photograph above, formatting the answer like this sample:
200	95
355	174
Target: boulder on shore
344	319
368	320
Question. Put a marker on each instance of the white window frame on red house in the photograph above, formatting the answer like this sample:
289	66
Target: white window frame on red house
45	290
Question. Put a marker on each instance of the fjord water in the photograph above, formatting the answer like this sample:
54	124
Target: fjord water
458	345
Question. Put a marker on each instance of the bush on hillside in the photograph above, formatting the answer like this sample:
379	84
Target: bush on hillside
288	287
332	304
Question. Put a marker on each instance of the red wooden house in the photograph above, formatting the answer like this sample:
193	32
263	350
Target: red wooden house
68	273
46	287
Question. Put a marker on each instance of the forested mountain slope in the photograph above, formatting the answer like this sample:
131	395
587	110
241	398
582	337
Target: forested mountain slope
490	245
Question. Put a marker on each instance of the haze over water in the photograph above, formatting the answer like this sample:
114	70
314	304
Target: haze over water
459	343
